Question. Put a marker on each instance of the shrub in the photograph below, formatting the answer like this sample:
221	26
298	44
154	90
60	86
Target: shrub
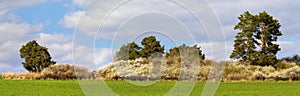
1	76
208	62
203	73
236	72
266	69
172	72
28	76
257	75
65	72
285	65
286	74
9	76
21	76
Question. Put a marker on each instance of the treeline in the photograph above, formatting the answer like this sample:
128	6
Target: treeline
152	46
254	48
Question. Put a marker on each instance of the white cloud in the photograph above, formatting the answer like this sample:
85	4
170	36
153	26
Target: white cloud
288	48
7	68
103	56
17	31
89	22
91	59
54	38
61	47
285	11
81	3
14	33
10	4
9	50
70	20
216	50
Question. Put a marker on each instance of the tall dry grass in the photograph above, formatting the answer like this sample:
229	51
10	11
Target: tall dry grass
234	71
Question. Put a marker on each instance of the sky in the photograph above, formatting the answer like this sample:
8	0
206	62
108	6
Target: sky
89	32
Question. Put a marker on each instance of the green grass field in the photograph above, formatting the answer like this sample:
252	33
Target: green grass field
68	88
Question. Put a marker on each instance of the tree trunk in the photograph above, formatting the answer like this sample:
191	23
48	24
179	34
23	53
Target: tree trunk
263	45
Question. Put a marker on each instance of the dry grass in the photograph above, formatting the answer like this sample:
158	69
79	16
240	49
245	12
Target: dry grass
53	72
234	71
66	72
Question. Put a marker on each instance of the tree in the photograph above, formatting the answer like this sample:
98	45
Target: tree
36	57
130	51
255	42
295	58
151	45
174	53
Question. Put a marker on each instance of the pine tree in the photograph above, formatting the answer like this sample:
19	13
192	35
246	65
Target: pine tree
130	51
175	52
151	45
255	42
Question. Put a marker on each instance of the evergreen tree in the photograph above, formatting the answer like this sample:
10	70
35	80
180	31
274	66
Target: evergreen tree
130	51
151	45
175	52
255	42
36	57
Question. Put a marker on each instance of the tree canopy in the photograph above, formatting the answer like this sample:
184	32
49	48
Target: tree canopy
129	51
256	41
176	53
151	45
36	57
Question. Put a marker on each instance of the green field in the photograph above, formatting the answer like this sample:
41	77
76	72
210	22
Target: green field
68	88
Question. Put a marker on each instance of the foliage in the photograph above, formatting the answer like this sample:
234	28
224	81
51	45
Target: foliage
257	32
236	72
177	53
292	73
129	51
139	69
150	46
295	58
285	65
9	76
257	75
1	76
66	72
36	57
21	76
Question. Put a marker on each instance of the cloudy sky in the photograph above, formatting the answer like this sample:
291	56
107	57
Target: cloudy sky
98	27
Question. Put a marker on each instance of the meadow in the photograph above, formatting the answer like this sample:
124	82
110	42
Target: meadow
72	88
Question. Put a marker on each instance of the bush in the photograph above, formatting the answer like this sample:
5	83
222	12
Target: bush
285	65
266	69
237	72
107	72
1	76
257	75
66	72
9	76
139	70
203	73
28	76
287	74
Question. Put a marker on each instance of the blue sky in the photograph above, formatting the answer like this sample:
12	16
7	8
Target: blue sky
53	23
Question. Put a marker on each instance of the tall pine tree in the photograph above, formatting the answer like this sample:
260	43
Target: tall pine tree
255	42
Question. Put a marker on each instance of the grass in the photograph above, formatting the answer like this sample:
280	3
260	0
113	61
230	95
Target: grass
72	88
39	88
